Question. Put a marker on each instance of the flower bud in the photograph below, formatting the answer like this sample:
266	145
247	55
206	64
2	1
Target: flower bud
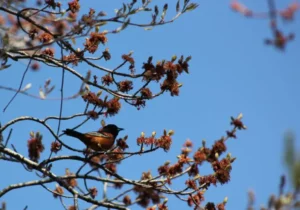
203	143
174	57
31	134
27	87
87	87
99	93
171	133
240	116
153	133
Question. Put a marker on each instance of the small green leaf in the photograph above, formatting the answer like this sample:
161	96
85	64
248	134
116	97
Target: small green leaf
5	40
27	87
191	7
174	57
289	152
2	67
156	11
73	40
188	58
296	174
124	8
102	123
123	26
164	12
186	2
42	94
31	134
178	6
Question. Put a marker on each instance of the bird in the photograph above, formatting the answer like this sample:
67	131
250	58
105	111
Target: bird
101	140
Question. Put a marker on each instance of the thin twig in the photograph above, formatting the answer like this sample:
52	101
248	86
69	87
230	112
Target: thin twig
8	137
21	83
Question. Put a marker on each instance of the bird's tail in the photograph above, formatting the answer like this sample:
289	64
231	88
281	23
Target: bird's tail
73	133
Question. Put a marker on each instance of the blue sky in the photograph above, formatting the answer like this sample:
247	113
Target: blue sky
231	72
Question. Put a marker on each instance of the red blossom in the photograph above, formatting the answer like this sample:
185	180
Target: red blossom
210	206
94	161
35	146
191	184
163	170
164	142
72	16
127	200
71	181
175	169
122	144
95	39
106	55
184	159
150	140
74	6
118	185
289	12
93	99
207	180
48	51
107	80
55	146
223	176
221	206
72	58
194	170
93	192
111	167
125	86
199	156
162	206
219	147
113	106
60	27
231	134
51	3
140	140
170	66
237	122
35	66
170	85
238	7
93	115
139	103
146	93
128	59
195	199
188	143
45	37
116	155
32	33
72	208
58	191
183	65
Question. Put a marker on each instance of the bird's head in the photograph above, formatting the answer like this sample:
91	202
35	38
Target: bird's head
111	128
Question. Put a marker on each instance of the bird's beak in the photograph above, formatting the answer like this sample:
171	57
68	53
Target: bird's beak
120	129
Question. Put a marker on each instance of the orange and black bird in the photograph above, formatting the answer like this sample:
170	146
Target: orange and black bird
101	140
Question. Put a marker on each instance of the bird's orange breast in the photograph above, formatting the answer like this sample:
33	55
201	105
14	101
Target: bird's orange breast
99	143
